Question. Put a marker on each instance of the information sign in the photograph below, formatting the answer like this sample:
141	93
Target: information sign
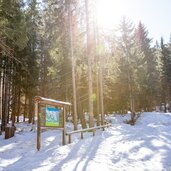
52	116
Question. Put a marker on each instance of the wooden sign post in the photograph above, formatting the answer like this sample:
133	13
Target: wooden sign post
50	114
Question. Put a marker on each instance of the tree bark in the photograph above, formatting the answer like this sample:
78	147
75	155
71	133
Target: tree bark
18	101
90	84
73	68
30	109
4	89
81	113
25	106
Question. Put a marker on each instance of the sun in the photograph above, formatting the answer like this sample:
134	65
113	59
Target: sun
109	13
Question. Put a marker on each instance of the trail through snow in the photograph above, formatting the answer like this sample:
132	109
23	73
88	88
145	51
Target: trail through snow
143	147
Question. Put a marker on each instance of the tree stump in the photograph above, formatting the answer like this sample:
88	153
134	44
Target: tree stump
9	132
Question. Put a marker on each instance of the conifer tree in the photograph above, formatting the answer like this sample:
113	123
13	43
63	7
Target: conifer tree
13	39
146	69
165	74
127	63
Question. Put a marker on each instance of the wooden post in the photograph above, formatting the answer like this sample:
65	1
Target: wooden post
38	125
36	109
81	135
64	128
38	133
69	138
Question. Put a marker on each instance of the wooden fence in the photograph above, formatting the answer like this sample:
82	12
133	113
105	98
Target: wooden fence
86	130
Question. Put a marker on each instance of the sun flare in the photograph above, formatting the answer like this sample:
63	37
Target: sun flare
110	12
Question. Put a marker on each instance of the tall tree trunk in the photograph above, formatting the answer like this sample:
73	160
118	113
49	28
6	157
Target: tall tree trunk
8	90
73	68
81	113
13	95
43	71
18	101
89	56
0	94
30	109
1	72
100	79
131	93
4	89
98	100
96	33
101	92
25	106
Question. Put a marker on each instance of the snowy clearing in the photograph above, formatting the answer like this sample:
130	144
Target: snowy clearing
145	146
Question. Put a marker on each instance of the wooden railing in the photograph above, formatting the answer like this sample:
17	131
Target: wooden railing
86	130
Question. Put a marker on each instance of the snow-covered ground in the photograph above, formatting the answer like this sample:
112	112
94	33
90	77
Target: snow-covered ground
143	147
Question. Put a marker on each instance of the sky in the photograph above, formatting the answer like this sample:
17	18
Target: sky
154	14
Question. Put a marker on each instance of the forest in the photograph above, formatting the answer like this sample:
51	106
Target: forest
56	49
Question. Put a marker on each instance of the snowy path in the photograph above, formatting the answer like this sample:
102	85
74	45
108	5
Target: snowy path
145	146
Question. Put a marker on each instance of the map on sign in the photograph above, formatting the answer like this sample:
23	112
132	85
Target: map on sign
52	116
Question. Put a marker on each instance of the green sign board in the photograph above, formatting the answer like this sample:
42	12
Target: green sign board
52	116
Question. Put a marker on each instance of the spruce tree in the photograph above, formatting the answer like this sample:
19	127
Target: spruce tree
127	63
146	69
165	74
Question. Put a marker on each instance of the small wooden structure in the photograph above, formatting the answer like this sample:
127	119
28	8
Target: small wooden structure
50	114
9	131
93	129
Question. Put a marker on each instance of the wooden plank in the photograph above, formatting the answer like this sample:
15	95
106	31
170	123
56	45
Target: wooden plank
58	103
84	130
88	129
